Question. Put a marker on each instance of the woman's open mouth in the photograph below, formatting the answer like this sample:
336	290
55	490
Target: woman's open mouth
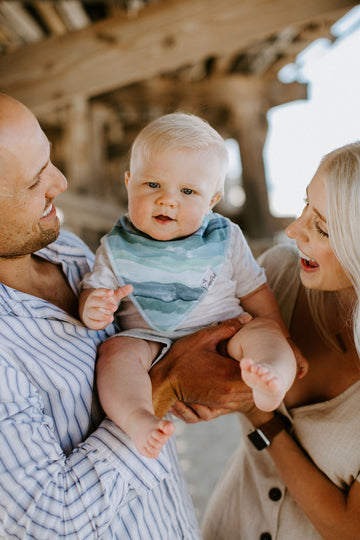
306	262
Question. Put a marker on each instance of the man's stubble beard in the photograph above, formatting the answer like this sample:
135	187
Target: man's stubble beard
45	238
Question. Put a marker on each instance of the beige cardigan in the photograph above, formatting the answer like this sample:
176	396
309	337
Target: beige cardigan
250	499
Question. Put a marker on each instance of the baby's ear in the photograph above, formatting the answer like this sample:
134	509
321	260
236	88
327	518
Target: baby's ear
215	199
127	178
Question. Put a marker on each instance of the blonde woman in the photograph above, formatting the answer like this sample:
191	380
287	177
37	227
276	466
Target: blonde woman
302	480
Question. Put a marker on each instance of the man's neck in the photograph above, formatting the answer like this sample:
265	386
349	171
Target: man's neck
17	272
38	277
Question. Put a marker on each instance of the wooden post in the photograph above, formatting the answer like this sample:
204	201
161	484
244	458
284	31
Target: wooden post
77	146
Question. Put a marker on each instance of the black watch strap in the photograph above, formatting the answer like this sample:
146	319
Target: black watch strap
262	436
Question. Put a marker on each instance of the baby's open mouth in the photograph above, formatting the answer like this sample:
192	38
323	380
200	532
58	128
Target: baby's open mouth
163	218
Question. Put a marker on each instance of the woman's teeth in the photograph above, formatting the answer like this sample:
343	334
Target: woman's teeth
310	262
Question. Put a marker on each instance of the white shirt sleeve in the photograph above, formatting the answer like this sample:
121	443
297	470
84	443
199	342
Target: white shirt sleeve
102	275
247	273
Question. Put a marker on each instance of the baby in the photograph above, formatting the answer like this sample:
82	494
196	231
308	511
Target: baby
175	266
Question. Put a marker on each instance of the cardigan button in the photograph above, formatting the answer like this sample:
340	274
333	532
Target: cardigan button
265	536
275	494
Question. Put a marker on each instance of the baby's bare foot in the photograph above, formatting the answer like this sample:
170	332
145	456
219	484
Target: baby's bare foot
149	433
268	386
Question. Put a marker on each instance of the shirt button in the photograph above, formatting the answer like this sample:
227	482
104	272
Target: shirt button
265	536
275	494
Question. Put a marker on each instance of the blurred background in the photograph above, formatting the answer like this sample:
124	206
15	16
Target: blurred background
279	79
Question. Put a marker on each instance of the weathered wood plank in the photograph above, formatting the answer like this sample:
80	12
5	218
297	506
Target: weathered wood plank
21	22
51	18
162	37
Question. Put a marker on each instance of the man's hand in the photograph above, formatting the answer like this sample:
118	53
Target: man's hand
195	373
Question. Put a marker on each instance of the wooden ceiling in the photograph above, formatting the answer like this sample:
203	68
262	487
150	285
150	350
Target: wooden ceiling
96	72
51	51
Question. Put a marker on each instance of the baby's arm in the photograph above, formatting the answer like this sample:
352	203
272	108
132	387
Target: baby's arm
262	303
97	306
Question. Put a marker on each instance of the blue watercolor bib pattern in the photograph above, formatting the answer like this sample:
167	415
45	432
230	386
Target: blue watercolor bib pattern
169	277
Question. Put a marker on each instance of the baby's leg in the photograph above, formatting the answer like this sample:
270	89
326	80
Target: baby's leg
125	393
267	361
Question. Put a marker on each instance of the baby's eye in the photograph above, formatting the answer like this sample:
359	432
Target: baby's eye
153	184
187	191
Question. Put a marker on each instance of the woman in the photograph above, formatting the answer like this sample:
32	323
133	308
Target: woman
305	483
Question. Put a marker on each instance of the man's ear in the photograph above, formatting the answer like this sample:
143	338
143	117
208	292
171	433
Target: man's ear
215	199
127	178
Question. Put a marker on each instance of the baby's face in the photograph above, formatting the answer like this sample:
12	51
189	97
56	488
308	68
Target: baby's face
170	193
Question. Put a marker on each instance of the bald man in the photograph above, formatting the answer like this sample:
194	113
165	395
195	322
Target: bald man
65	471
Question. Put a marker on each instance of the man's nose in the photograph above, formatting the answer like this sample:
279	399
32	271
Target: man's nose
57	182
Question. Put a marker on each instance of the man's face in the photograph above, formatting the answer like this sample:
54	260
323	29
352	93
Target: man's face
29	182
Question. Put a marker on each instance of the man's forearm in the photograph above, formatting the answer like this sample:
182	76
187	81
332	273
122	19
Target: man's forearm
162	392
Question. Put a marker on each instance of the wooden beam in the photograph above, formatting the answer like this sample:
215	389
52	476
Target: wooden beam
73	13
161	37
233	90
50	17
21	22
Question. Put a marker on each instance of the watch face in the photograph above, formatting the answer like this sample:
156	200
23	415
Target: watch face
258	439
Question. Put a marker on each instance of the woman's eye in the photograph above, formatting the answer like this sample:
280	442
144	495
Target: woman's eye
187	191
153	184
320	231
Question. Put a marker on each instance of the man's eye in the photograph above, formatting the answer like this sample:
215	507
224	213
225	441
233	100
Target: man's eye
187	191
153	184
36	184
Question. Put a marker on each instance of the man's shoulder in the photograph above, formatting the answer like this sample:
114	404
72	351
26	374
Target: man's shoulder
68	242
69	250
67	238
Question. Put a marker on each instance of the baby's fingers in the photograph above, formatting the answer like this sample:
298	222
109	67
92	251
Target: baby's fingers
97	318
121	292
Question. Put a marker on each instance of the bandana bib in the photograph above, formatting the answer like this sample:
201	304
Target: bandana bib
169	277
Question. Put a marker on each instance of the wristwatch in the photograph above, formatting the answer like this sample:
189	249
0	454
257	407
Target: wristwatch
262	436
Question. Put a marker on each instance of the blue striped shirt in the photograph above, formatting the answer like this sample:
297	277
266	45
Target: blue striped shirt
65	472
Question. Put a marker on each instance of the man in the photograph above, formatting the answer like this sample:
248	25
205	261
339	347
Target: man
64	470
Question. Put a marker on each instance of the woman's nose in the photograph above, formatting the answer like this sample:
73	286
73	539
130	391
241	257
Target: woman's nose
297	228
290	229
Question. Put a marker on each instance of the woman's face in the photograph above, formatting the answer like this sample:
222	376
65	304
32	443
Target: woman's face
320	269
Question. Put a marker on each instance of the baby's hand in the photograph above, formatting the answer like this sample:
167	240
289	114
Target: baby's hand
100	306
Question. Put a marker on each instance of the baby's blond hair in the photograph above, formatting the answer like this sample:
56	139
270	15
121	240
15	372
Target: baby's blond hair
181	131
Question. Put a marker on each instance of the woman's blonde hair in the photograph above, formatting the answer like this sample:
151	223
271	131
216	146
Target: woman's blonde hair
341	169
181	131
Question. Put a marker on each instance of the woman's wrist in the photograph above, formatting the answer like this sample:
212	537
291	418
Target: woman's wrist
258	417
